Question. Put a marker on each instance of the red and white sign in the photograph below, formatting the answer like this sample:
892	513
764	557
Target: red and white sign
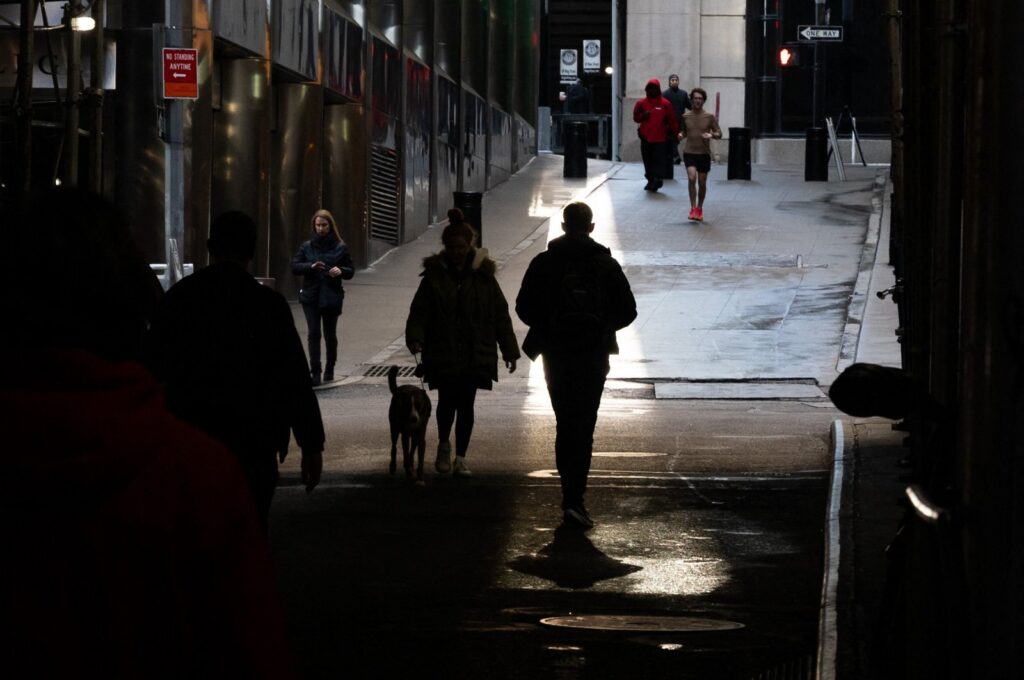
181	69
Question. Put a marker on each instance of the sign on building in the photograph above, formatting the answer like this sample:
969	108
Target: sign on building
568	66
591	56
181	68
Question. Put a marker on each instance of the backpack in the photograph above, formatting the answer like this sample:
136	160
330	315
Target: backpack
576	322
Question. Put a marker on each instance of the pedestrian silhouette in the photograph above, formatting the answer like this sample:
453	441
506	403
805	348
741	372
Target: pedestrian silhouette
458	318
232	363
574	297
132	547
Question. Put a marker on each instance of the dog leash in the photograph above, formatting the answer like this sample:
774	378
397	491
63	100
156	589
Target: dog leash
419	368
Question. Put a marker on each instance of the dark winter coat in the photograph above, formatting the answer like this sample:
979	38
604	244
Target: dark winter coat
679	100
658	121
318	287
543	280
460	323
233	364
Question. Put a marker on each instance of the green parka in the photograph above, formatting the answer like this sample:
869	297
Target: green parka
459	322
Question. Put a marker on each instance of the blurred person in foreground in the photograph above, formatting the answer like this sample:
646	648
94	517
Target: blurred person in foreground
232	363
131	544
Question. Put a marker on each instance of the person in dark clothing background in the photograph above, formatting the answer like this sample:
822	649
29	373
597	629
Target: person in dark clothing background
659	124
232	363
680	104
575	272
577	98
131	543
323	261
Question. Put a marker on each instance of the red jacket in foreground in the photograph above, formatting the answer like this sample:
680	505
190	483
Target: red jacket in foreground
131	543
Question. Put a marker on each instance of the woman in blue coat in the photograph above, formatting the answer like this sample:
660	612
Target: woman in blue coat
323	261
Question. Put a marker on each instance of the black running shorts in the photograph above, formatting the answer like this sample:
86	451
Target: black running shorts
701	161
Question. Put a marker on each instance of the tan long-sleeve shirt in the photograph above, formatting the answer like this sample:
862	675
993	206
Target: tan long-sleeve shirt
695	124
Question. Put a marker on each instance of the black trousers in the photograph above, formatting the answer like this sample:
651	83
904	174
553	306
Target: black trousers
655	156
575	384
315	318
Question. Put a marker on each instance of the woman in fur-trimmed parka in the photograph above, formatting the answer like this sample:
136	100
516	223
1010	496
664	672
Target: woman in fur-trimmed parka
458	319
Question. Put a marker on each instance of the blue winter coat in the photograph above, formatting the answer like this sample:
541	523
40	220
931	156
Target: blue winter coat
319	288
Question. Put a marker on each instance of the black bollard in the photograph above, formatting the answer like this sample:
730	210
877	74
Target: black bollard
739	153
470	203
815	155
574	136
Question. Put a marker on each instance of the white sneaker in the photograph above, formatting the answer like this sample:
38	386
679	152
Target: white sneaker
460	469
444	457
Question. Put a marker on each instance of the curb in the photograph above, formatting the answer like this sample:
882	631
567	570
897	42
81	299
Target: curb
828	629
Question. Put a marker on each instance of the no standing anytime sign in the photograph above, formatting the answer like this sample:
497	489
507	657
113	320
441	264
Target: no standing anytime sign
181	65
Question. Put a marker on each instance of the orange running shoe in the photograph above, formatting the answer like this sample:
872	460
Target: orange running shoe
693	213
700	214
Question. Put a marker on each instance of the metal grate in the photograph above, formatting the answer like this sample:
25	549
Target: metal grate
384	192
381	371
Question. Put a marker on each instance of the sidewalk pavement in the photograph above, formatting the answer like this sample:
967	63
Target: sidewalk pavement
781	273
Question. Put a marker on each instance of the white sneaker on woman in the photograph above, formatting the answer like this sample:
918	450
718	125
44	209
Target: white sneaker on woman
460	469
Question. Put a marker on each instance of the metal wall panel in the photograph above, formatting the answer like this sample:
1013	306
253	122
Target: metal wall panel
241	150
296	173
345	168
243	23
500	141
344	56
295	36
417	149
446	147
526	143
474	142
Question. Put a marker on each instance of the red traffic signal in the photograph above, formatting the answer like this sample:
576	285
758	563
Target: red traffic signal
788	57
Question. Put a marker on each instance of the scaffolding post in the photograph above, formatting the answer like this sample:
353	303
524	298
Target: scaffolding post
72	92
95	98
24	109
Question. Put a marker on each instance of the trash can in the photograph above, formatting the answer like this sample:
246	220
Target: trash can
816	155
739	153
574	138
470	203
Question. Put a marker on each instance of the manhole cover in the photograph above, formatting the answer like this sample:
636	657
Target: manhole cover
652	624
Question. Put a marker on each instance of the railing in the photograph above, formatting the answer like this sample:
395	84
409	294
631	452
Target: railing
599	132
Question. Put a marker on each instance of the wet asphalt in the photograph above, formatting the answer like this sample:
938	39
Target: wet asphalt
709	482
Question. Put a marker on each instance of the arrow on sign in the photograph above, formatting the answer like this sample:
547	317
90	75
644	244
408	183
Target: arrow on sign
825	33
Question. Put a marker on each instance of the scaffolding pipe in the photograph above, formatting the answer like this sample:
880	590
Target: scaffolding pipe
95	99
72	92
24	110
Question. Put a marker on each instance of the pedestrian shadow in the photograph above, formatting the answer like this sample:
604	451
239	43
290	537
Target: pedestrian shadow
572	561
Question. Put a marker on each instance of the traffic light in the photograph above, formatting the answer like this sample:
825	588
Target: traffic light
789	56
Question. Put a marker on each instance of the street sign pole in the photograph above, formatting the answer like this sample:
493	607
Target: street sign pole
816	88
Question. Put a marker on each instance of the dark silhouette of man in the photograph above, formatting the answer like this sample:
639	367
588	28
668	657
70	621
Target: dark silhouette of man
233	365
131	543
680	102
574	297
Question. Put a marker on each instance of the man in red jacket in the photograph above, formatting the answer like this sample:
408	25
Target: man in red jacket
659	126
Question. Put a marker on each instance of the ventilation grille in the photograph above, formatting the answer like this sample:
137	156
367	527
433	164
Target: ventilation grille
384	195
381	371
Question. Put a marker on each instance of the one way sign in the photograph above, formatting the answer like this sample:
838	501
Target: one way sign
820	33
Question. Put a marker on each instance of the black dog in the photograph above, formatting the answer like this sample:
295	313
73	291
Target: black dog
408	415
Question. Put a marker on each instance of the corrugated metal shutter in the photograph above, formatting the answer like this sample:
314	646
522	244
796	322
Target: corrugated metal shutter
384	186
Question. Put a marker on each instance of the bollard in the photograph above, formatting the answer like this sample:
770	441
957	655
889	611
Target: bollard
574	138
469	202
739	153
815	155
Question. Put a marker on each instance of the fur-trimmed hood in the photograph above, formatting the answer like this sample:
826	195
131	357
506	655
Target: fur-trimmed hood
481	263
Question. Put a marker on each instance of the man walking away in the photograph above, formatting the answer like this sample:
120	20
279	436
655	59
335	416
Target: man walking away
232	362
574	297
680	102
658	125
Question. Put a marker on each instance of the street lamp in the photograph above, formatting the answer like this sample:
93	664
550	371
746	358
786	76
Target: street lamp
82	24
